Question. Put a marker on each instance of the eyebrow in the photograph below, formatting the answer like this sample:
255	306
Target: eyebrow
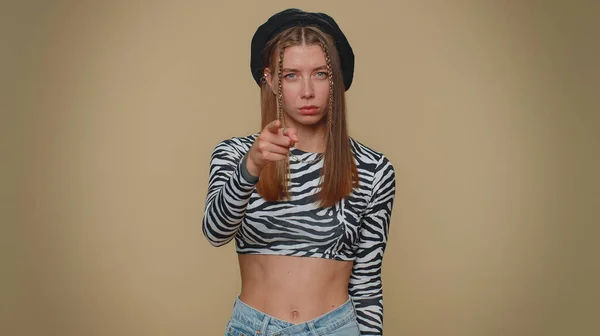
322	67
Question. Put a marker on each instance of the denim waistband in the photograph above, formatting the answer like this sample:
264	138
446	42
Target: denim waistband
251	317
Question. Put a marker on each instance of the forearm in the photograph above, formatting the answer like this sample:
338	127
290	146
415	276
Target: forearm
369	313
226	204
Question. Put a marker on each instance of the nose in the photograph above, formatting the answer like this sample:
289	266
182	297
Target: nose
308	91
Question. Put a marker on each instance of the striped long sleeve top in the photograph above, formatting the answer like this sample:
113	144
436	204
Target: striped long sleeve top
355	229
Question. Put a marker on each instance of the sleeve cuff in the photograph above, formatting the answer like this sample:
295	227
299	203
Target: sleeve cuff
245	173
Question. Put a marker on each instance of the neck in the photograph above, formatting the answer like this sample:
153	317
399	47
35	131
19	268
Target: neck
312	137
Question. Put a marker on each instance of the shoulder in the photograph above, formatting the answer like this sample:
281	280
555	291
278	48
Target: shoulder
368	157
236	145
242	141
378	168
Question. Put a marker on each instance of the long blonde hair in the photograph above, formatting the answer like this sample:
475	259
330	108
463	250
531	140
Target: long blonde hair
339	173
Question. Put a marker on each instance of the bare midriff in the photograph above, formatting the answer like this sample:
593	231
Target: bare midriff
293	289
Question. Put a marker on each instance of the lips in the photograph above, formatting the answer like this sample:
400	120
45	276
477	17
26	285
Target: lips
309	110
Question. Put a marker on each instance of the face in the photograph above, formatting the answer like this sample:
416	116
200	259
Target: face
305	85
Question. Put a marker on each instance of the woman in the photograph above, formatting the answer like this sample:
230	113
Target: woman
309	207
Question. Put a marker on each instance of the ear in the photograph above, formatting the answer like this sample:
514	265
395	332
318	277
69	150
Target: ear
268	77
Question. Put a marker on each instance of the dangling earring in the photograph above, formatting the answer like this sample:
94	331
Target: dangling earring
264	78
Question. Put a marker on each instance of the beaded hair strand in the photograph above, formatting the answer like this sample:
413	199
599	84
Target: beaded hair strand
330	75
279	88
280	117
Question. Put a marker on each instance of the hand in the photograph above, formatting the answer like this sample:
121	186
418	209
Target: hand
271	145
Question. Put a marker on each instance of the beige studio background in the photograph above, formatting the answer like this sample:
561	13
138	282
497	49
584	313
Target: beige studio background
487	109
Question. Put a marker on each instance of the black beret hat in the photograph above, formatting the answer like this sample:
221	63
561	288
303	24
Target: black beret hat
295	17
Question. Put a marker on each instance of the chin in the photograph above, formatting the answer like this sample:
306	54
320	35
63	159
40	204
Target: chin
309	120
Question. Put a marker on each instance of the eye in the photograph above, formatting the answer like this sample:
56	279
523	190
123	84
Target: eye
290	76
322	74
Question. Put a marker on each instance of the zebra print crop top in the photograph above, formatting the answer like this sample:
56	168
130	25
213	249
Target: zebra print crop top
355	229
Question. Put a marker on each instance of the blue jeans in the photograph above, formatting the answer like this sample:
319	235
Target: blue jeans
247	321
